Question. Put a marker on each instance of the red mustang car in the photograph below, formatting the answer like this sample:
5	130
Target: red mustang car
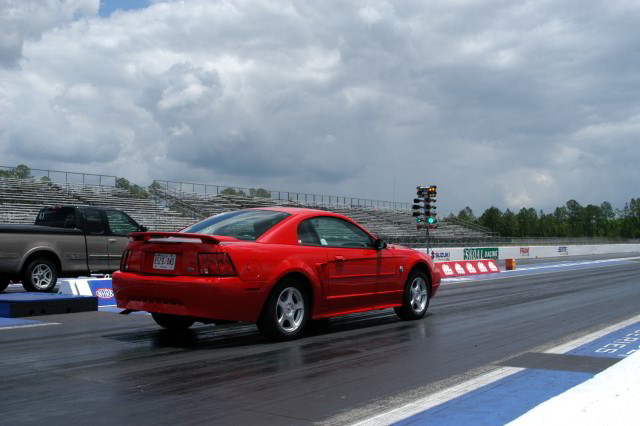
276	267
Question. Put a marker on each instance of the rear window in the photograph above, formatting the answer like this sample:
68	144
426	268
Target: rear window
242	224
60	218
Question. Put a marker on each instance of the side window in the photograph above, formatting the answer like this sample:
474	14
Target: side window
93	221
58	217
306	234
336	232
120	223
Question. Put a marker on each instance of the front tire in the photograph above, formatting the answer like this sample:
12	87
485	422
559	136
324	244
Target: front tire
173	322
40	275
415	300
286	312
4	283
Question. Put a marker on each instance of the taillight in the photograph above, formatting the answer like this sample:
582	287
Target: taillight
124	262
225	264
216	264
134	262
131	260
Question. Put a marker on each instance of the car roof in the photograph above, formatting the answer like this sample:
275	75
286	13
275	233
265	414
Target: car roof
298	211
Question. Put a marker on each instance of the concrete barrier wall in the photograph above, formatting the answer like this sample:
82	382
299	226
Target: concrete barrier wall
527	252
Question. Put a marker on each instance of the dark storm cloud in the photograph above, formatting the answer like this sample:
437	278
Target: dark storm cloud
498	102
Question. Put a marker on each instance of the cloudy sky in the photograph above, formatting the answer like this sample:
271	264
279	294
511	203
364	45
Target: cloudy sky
510	103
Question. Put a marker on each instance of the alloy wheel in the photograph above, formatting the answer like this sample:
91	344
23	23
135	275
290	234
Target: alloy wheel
290	309
42	276
419	296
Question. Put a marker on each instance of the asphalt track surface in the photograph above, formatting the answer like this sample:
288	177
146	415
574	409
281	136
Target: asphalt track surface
103	368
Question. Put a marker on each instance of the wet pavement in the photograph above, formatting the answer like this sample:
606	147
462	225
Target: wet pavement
103	368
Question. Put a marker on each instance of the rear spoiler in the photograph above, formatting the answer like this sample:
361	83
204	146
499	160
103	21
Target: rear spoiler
173	237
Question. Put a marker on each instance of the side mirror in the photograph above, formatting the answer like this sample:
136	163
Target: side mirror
143	228
379	244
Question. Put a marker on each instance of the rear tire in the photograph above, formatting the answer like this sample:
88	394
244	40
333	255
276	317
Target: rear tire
40	275
286	312
4	283
173	322
415	300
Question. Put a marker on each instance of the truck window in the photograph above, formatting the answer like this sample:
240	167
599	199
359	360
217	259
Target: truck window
120	223
64	217
93	221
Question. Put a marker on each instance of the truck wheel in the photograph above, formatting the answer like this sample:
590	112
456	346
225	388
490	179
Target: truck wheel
172	322
40	275
4	283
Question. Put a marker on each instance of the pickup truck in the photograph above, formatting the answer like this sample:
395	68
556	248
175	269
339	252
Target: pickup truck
65	241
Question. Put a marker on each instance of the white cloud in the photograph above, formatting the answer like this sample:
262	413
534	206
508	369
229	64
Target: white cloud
369	15
534	103
22	20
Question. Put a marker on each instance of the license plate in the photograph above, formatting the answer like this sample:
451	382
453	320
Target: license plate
164	261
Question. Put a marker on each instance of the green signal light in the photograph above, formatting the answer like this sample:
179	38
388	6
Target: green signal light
431	220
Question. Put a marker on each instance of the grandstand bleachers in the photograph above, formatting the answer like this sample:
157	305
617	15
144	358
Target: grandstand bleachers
168	209
391	224
21	199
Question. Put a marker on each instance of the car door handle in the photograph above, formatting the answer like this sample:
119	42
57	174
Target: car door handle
339	257
112	240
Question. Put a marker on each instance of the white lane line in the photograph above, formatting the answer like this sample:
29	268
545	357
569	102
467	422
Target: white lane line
12	327
578	263
455	280
440	397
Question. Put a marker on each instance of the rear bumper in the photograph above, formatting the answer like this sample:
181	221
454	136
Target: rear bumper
222	298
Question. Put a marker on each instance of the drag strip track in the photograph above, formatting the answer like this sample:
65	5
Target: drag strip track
103	368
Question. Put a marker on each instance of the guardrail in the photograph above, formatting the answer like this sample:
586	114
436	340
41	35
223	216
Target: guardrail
298	197
448	241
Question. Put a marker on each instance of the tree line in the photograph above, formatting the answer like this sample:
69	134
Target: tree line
569	220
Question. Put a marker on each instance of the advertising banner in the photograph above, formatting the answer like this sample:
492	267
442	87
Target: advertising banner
100	288
463	268
441	255
481	253
103	291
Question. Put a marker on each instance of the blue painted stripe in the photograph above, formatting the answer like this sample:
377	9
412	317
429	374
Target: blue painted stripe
500	402
618	344
509	398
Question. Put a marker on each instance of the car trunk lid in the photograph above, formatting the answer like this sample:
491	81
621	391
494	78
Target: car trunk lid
168	253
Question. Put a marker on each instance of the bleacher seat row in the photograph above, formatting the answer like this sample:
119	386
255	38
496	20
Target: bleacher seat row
167	209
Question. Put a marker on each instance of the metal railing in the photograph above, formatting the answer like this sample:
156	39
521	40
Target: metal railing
206	190
450	241
57	176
